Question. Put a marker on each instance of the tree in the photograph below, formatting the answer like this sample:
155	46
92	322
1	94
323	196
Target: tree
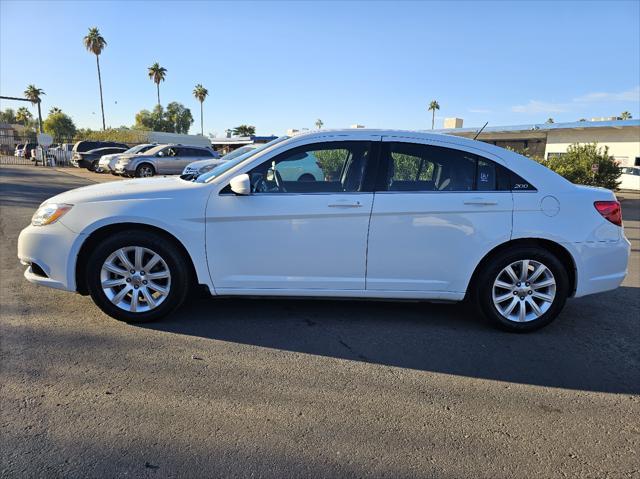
625	115
157	74
433	106
200	93
54	109
179	117
319	123
549	121
95	43
60	126
23	116
152	120
244	130
33	94
8	116
582	119
578	163
175	119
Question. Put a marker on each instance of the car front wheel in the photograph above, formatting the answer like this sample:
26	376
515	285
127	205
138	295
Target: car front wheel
137	276
145	171
523	289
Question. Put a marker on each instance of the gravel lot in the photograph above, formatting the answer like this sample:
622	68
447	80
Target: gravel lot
284	388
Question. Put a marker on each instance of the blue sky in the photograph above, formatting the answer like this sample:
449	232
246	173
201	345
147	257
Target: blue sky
279	65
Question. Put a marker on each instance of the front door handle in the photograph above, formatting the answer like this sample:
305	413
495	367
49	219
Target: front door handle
480	202
345	204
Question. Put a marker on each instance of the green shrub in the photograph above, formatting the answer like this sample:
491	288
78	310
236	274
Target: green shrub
577	166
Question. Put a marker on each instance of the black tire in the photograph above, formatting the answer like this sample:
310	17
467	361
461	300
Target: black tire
181	279
484	283
307	177
93	166
144	167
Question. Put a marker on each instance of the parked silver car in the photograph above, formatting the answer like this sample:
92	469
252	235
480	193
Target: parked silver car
162	160
107	163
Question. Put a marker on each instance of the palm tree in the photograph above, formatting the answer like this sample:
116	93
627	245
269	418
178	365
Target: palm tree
433	106
32	93
95	43
244	130
157	74
549	120
625	115
319	123
23	115
54	110
200	93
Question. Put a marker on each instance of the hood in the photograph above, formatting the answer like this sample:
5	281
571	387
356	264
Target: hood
143	188
202	163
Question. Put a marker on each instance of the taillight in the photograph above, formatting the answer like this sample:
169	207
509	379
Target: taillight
611	210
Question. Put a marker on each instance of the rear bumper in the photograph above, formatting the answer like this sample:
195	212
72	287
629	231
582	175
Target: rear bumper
601	265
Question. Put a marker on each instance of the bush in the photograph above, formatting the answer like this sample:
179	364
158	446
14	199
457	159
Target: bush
576	166
112	134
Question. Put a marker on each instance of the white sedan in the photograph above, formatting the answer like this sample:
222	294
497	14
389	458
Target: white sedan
394	215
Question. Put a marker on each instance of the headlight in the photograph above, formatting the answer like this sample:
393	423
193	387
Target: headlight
49	213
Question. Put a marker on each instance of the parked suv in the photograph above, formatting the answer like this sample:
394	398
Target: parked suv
162	160
90	159
84	146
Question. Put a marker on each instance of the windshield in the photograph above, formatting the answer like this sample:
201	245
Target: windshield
227	165
240	151
138	149
154	150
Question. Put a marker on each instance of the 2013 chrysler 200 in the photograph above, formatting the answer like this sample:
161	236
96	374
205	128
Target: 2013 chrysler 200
394	214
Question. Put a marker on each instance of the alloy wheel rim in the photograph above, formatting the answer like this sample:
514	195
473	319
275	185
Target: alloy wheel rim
135	279
524	291
145	171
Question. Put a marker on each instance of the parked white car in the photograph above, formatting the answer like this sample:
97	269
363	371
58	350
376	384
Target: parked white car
630	178
197	168
107	163
396	215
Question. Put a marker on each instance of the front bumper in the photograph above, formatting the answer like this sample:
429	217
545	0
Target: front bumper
49	252
601	265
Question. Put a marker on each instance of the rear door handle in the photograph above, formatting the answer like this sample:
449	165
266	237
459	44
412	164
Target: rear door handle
345	204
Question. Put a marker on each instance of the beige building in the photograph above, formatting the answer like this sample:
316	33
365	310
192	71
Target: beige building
622	137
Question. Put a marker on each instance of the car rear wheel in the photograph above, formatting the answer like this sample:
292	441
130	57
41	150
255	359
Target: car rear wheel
137	276
145	170
523	289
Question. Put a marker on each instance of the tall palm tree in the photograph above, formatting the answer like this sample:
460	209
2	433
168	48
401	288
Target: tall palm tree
200	93
625	115
319	123
95	43
157	74
54	109
433	106
33	93
23	115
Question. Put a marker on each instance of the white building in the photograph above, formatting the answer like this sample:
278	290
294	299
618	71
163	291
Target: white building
622	137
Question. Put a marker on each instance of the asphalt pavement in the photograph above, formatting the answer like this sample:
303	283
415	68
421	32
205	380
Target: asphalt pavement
292	388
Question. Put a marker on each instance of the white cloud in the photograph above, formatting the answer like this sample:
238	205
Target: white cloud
629	95
479	110
535	106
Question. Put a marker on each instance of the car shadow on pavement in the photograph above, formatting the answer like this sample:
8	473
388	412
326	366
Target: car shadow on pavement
594	345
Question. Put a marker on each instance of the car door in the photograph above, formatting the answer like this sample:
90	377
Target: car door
294	236
437	211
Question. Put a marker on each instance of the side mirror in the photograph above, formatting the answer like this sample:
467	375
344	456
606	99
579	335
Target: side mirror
160	153
241	185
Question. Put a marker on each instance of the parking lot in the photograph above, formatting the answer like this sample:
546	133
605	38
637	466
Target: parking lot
293	388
